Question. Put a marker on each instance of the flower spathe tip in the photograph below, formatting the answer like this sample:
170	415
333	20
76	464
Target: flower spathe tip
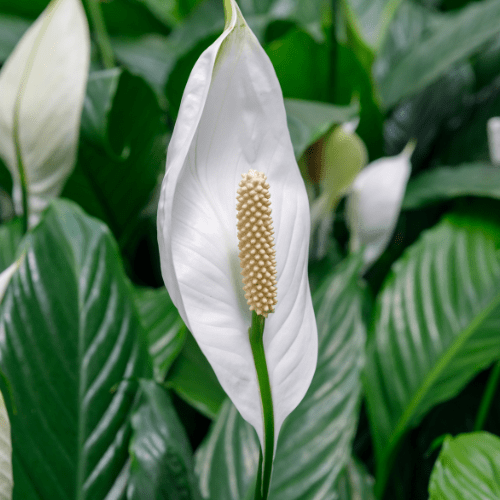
256	242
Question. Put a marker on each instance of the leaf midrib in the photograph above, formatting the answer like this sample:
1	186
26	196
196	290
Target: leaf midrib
439	367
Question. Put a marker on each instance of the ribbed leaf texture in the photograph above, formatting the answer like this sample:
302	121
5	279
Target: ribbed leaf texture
437	324
164	327
70	348
6	480
315	443
467	467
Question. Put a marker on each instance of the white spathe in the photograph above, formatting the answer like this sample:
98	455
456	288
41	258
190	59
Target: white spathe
493	130
6	478
43	83
374	203
232	118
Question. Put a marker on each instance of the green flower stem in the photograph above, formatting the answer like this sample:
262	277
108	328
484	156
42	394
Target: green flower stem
102	37
20	166
256	333
489	392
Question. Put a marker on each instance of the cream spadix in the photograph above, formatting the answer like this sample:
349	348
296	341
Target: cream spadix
256	242
232	119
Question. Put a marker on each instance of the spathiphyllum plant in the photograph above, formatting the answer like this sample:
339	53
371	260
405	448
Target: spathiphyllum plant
42	89
233	231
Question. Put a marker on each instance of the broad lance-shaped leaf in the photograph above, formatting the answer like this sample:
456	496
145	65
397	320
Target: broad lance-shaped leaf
232	119
42	88
467	467
437	324
315	443
71	347
6	481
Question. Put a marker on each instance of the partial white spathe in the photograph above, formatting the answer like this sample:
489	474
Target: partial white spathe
493	128
6	478
44	82
232	118
374	203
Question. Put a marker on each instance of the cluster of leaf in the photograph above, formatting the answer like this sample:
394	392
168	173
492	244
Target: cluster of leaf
108	394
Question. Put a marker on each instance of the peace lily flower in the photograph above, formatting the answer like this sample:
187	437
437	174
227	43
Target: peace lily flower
42	89
232	129
374	203
493	129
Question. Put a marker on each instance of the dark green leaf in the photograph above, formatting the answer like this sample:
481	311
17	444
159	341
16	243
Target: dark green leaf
444	183
436	326
161	465
11	234
467	467
71	345
11	30
309	120
430	45
164	327
311	57
194	380
122	151
315	442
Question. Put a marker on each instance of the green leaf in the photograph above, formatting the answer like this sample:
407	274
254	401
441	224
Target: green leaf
164	328
122	151
71	347
12	29
428	50
436	326
161	466
370	19
11	234
194	380
315	442
308	55
6	481
355	483
467	467
309	120
443	183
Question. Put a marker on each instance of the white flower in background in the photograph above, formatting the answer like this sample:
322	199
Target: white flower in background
493	128
374	203
42	89
232	119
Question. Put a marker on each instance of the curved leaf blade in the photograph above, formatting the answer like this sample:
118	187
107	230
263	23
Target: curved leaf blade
6	480
315	443
70	346
443	183
437	321
467	467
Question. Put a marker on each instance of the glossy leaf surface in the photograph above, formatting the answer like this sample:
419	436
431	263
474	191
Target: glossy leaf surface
467	467
436	326
69	320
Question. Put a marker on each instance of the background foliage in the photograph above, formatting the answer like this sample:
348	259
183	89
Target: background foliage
109	396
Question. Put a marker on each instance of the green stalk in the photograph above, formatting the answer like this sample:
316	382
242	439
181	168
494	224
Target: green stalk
20	166
489	392
256	333
102	37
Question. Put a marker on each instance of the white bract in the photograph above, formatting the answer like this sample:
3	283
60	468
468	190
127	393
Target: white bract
232	119
42	89
493	129
6	479
374	203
